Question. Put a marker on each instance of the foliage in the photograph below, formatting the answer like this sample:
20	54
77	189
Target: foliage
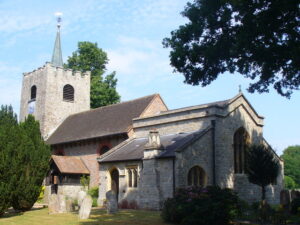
262	167
85	181
291	157
258	39
9	137
94	192
289	183
33	164
201	206
89	57
42	193
295	206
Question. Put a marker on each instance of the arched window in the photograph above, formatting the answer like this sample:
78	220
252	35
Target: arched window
132	177
240	141
33	92
68	93
196	177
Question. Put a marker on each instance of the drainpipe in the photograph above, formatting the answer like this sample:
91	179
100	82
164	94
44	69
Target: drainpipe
173	176
213	124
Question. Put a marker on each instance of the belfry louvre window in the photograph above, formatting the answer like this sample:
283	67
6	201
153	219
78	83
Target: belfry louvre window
132	177
68	93
240	141
196	177
33	92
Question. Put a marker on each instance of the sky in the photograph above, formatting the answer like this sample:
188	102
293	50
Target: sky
131	32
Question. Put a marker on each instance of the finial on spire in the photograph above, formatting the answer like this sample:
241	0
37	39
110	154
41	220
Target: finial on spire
57	54
240	88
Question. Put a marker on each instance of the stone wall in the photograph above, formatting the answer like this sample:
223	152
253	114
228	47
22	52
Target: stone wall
125	192
50	108
199	154
68	190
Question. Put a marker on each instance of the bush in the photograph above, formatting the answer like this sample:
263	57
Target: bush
295	205
94	192
201	206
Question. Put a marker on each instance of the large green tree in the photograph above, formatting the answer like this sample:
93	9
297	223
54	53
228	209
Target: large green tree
262	167
33	163
89	57
260	39
8	132
291	157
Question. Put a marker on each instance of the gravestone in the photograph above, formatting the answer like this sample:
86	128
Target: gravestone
62	204
112	203
70	207
53	205
80	196
85	208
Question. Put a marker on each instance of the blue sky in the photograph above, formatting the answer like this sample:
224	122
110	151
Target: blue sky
131	32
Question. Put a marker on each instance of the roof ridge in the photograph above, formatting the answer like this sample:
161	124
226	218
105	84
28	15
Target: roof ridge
115	104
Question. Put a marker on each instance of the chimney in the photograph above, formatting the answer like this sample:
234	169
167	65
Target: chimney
154	147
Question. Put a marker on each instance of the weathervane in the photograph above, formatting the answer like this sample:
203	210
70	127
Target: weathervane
58	16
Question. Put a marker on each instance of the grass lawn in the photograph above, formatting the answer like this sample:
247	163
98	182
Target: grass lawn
98	216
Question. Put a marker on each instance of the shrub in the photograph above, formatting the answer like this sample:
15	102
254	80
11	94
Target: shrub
201	206
95	203
85	181
94	192
295	205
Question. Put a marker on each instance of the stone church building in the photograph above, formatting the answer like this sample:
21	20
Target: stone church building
140	149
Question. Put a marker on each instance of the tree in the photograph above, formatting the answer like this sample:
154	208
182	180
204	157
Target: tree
289	183
257	38
89	57
8	125
262	167
291	157
33	163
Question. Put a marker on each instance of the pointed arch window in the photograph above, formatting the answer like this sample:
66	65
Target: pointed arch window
68	93
132	177
33	93
240	141
196	177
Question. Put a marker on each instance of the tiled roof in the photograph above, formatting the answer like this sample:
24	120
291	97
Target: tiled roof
103	121
70	164
134	149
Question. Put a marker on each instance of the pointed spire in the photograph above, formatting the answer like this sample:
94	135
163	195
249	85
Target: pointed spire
57	54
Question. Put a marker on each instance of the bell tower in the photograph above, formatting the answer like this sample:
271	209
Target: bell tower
52	93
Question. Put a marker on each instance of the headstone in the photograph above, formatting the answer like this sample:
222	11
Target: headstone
85	208
62	204
53	205
70	207
285	197
112	204
81	195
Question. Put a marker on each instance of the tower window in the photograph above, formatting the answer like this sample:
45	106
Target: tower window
241	140
33	92
68	93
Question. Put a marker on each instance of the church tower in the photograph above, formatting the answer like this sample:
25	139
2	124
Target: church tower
52	93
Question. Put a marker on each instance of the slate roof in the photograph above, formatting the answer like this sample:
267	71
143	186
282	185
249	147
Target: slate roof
70	164
133	149
103	121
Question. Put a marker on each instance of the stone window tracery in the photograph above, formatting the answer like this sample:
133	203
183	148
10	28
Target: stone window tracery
240	142
132	177
68	93
196	177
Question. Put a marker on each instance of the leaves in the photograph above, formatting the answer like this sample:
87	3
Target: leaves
258	39
291	157
262	166
89	57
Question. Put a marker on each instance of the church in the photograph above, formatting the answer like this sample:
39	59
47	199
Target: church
140	149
